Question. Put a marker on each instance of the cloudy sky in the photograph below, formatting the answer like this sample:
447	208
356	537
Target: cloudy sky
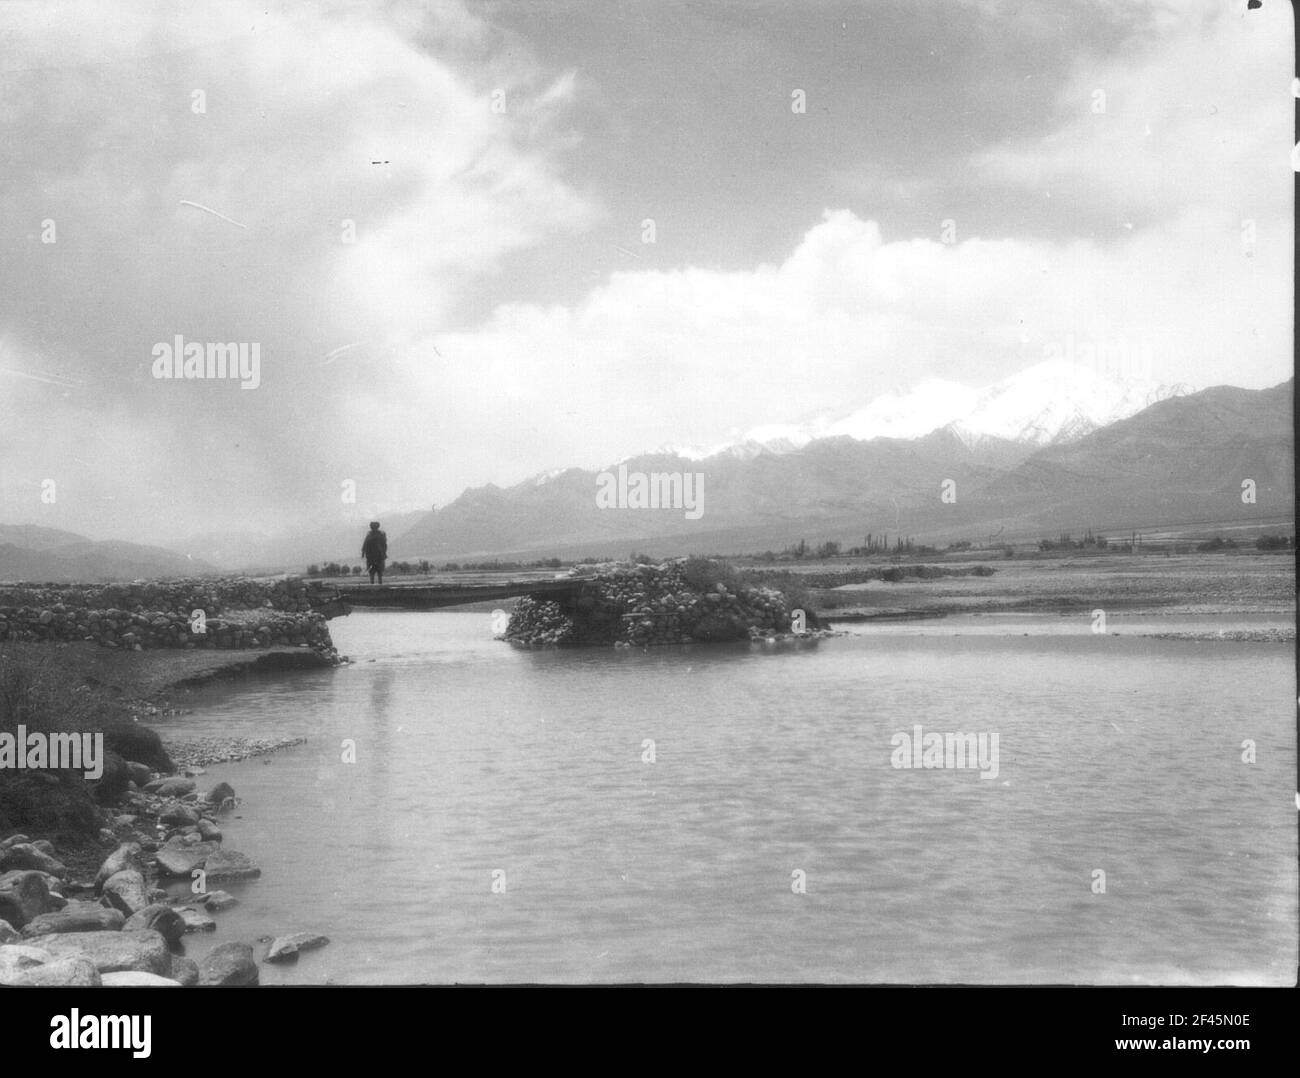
478	240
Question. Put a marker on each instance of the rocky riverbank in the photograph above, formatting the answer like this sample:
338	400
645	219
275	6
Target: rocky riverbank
83	866
83	921
681	601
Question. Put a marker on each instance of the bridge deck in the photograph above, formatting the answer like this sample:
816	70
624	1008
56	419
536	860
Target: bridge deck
434	596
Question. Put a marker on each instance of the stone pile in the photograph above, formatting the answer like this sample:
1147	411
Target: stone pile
650	604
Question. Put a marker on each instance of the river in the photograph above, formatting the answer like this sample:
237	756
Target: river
720	813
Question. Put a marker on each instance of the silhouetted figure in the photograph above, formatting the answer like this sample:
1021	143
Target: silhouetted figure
375	551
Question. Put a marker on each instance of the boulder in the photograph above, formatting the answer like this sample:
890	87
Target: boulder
178	814
16	958
137	979
71	972
8	934
172	787
226	864
160	917
178	860
23	895
54	883
196	920
125	891
13	840
209	831
220	792
185	970
284	948
125	856
219	900
141	774
228	964
142	950
26	855
75	917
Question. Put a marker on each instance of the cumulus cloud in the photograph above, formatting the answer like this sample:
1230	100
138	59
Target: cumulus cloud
693	355
1193	119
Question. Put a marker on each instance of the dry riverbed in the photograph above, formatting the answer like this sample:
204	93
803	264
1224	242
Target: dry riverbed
1180	585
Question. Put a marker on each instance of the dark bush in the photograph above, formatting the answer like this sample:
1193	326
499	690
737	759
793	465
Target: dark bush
134	741
35	694
1272	542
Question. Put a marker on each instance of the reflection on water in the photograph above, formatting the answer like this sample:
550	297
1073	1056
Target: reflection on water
475	762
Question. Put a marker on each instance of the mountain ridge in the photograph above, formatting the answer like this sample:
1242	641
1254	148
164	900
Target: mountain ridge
1181	459
1143	470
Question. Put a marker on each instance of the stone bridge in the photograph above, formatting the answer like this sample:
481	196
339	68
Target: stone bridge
436	596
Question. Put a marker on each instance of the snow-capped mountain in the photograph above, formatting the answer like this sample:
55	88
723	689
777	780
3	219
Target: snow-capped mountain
1053	402
1056	402
1175	461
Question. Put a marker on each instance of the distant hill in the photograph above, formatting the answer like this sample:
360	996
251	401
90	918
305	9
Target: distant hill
1180	460
36	554
36	537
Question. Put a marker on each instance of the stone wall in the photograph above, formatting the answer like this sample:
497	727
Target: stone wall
238	612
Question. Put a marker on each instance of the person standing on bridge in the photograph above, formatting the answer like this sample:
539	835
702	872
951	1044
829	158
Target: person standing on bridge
375	551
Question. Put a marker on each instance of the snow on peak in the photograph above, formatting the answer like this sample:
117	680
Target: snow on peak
542	478
1055	401
911	414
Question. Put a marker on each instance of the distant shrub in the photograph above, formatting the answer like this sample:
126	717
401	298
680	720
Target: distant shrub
1217	543
1064	542
1273	542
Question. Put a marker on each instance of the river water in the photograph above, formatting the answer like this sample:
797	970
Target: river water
504	819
